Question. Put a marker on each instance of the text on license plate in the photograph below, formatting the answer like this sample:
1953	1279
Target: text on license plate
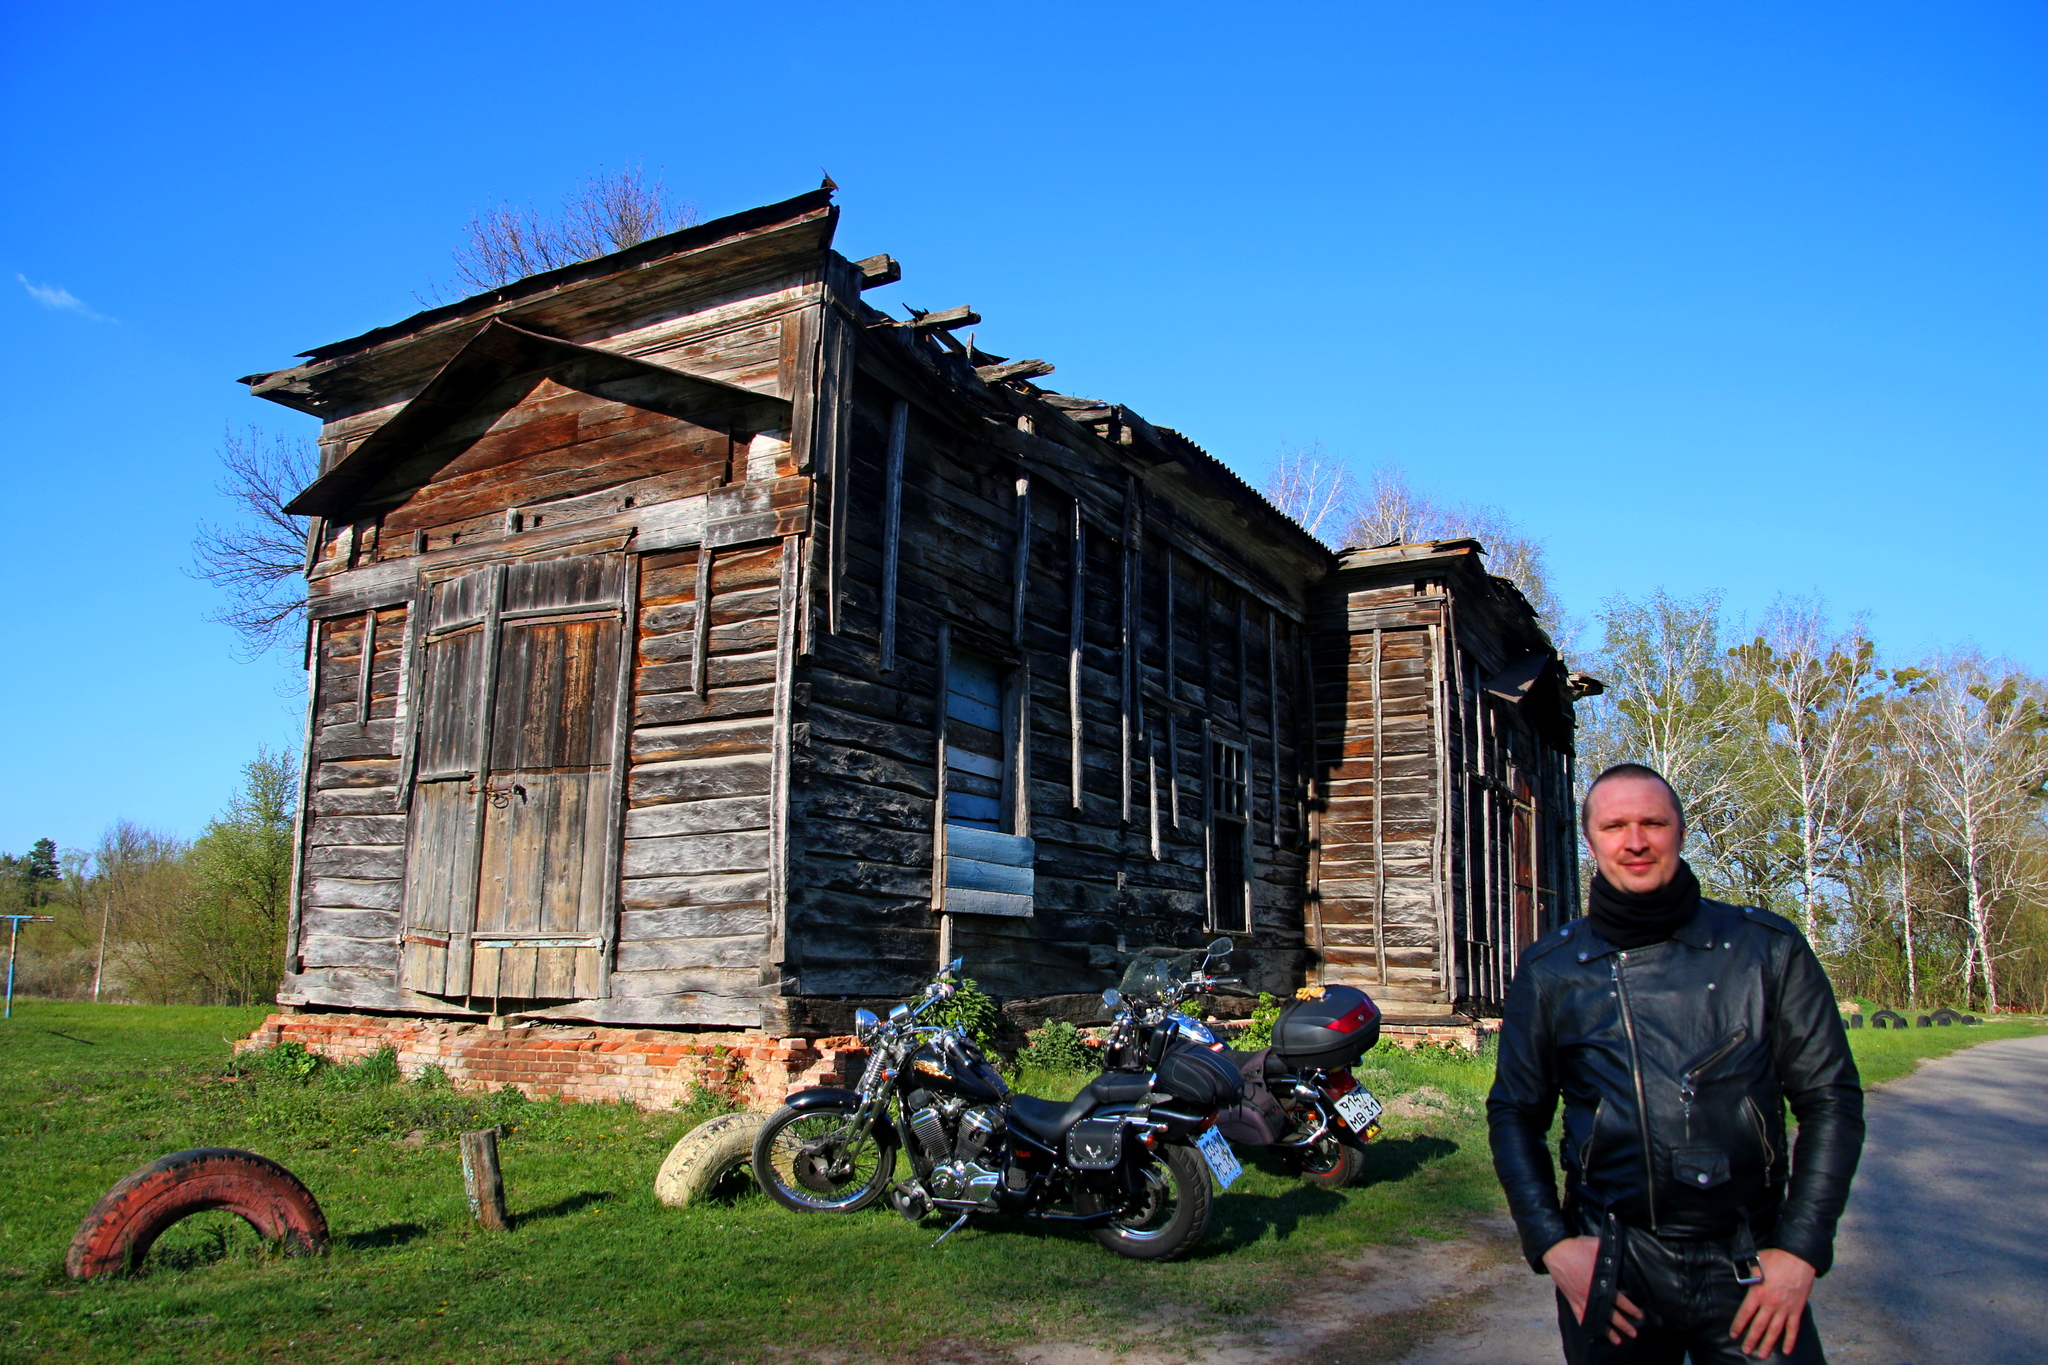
1216	1151
1358	1109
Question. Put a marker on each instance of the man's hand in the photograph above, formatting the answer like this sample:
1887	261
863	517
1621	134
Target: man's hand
1771	1310
1571	1263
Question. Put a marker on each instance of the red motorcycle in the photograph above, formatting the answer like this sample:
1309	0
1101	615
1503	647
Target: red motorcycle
1301	1101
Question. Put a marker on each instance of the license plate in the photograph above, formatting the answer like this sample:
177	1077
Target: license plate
1216	1151
1358	1109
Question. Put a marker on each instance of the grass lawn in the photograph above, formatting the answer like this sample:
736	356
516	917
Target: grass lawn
595	1269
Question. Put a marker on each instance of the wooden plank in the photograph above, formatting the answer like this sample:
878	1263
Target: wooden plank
717	816
989	846
1014	369
961	901
892	528
972	875
742	851
1077	569
876	271
700	621
944	692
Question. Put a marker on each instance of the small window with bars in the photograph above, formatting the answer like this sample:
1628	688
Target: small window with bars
1229	838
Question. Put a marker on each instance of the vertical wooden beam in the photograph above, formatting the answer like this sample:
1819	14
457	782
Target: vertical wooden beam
944	672
1309	815
1077	604
892	527
1273	717
789	615
1170	616
1439	851
462	920
1017	772
1020	560
1379	802
364	665
620	756
1208	819
1152	792
700	624
1125	671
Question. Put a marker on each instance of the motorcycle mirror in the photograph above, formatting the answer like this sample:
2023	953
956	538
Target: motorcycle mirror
954	965
1112	997
898	1013
1222	947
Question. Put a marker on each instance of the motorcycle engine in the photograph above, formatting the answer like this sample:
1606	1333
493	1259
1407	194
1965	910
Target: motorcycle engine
964	1177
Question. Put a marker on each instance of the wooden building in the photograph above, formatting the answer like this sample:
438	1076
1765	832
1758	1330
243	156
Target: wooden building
695	644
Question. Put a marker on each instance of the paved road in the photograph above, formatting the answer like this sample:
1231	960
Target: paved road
1943	1256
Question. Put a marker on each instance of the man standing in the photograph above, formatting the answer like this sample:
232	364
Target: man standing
1676	1029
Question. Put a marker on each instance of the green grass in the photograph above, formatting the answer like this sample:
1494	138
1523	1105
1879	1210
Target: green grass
1887	1054
595	1269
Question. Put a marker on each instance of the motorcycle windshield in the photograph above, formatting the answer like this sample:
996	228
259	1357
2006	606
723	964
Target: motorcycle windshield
1155	969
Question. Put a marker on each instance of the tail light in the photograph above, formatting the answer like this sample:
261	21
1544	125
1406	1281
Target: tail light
1339	1083
1353	1019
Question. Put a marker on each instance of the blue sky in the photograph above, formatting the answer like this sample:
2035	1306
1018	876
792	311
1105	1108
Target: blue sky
1732	296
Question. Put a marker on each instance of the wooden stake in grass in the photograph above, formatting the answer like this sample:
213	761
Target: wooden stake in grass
482	1179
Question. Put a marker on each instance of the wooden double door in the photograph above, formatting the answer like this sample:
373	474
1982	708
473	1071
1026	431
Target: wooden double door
512	777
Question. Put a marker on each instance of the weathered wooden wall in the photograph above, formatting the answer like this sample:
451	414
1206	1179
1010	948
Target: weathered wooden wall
1048	552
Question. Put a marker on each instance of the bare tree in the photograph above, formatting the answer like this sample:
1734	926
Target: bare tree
607	212
259	558
1809	700
1391	510
1315	488
1982	739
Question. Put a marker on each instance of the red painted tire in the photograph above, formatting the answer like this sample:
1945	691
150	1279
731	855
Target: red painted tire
123	1226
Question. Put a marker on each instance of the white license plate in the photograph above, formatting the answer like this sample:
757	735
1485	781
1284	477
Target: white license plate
1358	1109
1216	1151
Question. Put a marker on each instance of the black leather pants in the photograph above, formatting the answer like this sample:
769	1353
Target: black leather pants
1689	1296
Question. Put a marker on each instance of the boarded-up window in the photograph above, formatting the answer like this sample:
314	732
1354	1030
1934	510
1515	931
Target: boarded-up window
1229	839
988	862
513	782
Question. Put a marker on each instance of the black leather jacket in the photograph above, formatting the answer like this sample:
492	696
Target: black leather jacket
1675	1062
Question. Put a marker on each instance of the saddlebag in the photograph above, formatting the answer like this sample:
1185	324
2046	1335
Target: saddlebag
1198	1077
1095	1144
1258	1121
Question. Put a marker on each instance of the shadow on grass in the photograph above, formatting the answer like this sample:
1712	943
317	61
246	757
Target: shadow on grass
1242	1219
1392	1159
68	1037
375	1239
562	1208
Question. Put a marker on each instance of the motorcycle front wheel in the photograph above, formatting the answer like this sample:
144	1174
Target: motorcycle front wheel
810	1160
1171	1214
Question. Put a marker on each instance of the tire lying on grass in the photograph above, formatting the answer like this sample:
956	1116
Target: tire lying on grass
705	1156
123	1226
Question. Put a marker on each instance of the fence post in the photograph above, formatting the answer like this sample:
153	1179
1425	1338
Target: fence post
482	1179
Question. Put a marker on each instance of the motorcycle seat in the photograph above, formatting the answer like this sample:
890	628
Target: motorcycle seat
1049	1120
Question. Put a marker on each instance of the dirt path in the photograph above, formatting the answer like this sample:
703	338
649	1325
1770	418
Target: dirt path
1939	1260
1940	1257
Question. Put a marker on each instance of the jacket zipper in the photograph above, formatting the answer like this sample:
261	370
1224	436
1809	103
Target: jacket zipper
1635	1063
1763	1136
1586	1147
1687	1090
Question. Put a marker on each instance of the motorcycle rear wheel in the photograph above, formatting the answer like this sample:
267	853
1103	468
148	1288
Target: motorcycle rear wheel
802	1160
1172	1215
1329	1163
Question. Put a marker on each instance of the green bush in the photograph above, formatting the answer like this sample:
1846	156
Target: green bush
971	1009
1258	1032
1058	1047
288	1061
378	1069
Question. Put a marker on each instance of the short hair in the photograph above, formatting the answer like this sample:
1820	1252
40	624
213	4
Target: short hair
1639	770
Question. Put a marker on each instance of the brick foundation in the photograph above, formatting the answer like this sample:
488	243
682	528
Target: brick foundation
651	1068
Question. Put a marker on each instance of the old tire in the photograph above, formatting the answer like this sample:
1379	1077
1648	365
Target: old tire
1888	1019
1330	1164
123	1226
705	1156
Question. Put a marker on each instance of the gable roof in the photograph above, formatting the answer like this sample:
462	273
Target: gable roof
587	298
498	352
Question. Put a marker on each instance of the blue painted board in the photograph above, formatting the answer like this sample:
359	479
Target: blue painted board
980	876
988	846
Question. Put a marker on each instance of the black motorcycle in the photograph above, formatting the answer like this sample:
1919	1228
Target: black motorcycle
1301	1101
1129	1157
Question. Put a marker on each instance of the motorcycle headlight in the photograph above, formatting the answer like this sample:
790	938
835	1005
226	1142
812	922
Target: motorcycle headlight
865	1022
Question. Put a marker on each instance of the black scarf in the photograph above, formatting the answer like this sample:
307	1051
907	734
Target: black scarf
1630	921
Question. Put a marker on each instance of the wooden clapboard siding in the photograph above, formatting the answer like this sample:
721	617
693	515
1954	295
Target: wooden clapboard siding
695	867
